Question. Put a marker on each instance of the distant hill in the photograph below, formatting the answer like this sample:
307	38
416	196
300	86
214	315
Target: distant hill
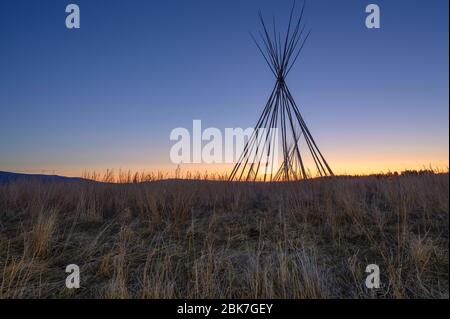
6	177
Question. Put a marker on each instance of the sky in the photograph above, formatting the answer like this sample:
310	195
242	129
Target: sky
108	95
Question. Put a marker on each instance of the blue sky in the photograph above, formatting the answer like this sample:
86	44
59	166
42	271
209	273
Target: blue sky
108	94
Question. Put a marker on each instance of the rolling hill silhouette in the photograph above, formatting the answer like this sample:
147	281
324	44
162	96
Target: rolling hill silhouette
6	177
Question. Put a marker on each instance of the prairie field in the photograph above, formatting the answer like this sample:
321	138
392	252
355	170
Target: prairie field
214	239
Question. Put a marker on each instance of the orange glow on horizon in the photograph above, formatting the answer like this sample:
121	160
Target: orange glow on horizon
362	162
170	171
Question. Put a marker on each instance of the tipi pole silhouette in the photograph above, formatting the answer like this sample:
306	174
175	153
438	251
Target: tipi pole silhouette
282	112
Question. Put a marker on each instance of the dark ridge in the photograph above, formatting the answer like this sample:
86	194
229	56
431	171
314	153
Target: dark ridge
7	177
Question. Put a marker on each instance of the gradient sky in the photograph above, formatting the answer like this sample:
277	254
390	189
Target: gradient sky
109	94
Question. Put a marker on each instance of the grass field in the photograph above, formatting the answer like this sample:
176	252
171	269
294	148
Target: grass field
212	239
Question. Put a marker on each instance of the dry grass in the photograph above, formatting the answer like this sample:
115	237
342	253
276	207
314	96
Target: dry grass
211	239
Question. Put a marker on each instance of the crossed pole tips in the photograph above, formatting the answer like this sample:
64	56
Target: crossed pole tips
256	161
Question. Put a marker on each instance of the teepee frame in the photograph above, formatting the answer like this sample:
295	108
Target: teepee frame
281	111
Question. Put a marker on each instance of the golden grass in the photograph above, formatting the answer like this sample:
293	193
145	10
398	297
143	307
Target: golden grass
212	239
